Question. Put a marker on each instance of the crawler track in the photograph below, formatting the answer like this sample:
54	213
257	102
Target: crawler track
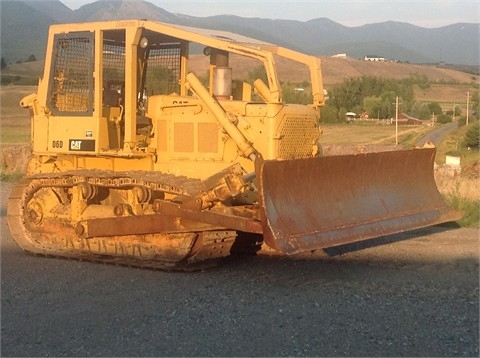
42	221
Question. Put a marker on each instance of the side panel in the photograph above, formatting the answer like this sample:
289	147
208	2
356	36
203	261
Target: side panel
188	139
74	134
191	141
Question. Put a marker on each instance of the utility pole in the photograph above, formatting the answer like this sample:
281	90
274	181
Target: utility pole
396	121
468	105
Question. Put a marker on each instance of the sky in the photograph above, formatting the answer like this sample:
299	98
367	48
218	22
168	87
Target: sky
424	13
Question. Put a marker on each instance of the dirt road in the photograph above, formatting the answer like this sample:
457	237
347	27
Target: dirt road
416	295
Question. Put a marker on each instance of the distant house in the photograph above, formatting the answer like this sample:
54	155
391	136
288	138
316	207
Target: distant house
374	58
404	119
350	116
340	55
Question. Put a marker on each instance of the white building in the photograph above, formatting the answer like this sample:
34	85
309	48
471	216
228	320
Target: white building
375	58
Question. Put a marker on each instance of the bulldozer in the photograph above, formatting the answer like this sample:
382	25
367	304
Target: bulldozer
139	161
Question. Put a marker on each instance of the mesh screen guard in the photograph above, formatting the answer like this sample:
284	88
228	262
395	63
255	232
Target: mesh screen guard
71	75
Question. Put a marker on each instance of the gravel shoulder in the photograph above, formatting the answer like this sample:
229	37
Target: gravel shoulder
417	294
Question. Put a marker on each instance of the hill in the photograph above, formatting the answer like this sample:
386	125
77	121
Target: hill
447	86
454	44
334	70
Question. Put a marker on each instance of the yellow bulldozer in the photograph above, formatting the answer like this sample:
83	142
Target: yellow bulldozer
139	161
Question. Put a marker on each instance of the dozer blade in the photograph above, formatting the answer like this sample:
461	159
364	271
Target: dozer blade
321	202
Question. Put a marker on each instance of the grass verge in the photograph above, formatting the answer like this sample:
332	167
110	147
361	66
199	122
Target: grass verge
470	210
461	194
11	177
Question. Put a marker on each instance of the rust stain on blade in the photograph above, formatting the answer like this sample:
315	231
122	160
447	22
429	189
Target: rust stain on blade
322	202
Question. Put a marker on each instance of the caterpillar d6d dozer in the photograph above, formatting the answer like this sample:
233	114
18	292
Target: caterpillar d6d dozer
138	162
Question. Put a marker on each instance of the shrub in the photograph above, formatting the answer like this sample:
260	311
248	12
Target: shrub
472	135
443	118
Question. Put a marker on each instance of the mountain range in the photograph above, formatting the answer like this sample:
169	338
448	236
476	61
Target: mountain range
24	25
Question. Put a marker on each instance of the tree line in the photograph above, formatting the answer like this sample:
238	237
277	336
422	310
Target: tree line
376	97
373	96
3	62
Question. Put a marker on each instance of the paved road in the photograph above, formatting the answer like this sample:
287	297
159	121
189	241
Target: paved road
438	134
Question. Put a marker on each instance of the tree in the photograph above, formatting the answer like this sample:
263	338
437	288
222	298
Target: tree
329	114
443	118
157	81
420	110
435	108
353	91
455	112
31	58
475	105
472	135
372	106
292	95
4	63
388	104
257	73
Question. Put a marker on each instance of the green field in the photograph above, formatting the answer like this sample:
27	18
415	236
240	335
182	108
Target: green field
372	133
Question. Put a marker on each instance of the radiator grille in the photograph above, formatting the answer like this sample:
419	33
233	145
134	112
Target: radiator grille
297	135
